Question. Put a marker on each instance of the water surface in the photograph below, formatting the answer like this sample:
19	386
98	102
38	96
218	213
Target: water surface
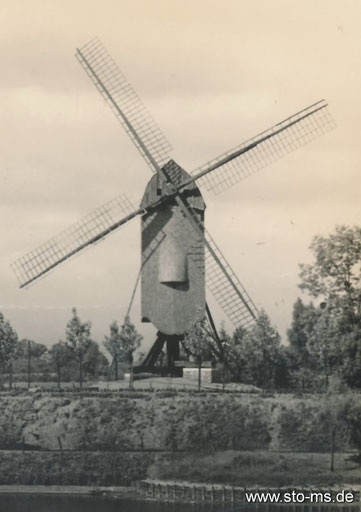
56	503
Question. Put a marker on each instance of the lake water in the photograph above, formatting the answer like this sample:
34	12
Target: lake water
44	503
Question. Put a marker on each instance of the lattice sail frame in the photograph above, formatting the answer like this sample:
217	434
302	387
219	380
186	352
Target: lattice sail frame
292	133
89	230
231	167
124	102
264	149
227	289
221	280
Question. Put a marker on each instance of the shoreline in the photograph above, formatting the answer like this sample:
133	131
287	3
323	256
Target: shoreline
186	492
71	490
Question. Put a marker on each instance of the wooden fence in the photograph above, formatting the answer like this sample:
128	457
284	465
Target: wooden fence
165	491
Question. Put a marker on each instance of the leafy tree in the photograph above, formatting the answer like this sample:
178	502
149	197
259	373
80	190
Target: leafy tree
31	357
282	370
59	357
38	355
301	359
351	356
304	318
95	363
324	342
246	359
336	271
223	351
113	343
17	354
78	340
231	353
36	349
260	353
334	278
236	356
130	340
198	342
8	346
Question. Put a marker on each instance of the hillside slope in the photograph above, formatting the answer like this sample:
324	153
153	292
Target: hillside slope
188	422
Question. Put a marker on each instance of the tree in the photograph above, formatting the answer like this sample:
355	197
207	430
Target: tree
324	342
95	363
59	357
227	351
260	353
302	361
8	346
351	356
198	342
236	358
130	340
336	271
31	357
17	354
78	340
334	278
224	353
36	349
304	318
113	343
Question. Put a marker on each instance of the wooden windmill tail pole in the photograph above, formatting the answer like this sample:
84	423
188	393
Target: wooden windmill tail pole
213	325
133	294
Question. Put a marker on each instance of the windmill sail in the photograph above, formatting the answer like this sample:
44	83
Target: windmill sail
227	289
223	283
87	231
267	147
125	103
217	175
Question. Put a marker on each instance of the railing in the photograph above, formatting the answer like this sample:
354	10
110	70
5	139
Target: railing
166	491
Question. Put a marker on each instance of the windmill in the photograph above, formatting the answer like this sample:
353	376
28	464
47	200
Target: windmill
176	247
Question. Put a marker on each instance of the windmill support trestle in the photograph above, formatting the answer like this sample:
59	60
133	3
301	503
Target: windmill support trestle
172	344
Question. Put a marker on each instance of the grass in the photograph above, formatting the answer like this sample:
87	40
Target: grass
244	469
87	468
150	383
175	421
260	469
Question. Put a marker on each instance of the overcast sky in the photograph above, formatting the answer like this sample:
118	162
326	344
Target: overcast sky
212	74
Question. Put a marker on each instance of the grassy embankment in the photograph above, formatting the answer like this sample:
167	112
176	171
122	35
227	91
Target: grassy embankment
259	469
114	439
